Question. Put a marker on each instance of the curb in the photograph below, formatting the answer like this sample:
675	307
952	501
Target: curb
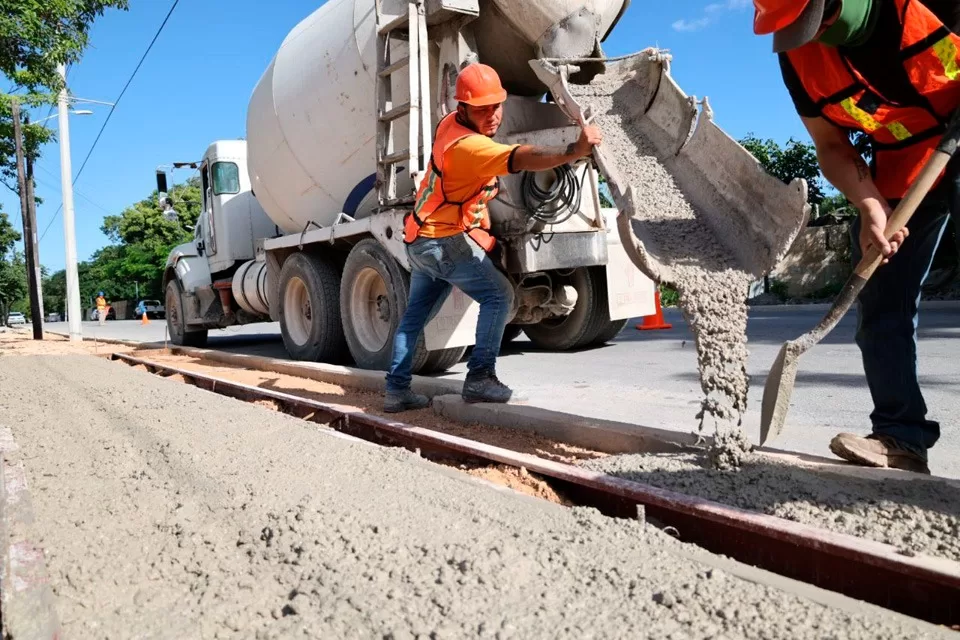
601	435
361	379
26	598
607	436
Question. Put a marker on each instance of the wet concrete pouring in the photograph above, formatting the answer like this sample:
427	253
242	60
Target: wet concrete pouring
166	511
713	290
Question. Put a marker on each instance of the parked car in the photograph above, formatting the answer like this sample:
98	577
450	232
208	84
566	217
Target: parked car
15	317
152	308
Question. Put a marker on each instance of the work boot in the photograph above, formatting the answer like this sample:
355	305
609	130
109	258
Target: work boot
485	387
878	451
406	400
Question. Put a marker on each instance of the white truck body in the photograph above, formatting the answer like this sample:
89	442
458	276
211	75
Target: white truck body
304	183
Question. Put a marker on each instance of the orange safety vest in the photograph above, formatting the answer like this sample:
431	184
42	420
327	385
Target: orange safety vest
471	215
904	136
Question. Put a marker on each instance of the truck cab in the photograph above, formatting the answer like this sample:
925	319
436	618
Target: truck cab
227	233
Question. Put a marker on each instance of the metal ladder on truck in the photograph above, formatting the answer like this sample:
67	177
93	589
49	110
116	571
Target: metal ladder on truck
393	155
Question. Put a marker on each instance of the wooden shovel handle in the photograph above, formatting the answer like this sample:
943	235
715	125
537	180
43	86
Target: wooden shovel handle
872	259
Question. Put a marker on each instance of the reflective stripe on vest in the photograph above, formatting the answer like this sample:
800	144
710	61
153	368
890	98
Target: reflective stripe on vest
903	135
470	215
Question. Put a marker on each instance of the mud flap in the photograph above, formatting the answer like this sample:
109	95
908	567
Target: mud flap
455	325
629	291
754	215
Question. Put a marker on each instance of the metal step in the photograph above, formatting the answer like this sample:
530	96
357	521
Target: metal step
396	66
399	202
395	113
397	23
396	156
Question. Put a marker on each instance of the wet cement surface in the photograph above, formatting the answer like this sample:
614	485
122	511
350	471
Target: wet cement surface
712	287
169	512
915	516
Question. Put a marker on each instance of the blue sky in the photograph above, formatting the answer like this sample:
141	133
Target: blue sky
194	88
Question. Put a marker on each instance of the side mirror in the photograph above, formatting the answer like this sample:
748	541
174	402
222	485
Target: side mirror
162	182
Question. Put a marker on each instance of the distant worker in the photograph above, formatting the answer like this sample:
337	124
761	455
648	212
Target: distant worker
890	69
448	234
101	309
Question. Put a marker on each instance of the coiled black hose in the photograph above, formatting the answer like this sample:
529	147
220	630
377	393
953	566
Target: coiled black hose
556	204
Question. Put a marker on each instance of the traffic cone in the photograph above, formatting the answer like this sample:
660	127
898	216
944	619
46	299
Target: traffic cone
656	321
145	319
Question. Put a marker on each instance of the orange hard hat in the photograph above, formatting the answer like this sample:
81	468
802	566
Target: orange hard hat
479	85
793	23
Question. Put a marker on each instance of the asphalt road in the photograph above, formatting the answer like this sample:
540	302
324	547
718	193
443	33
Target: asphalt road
651	377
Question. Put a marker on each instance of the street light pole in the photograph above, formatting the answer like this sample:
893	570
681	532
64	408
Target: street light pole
69	230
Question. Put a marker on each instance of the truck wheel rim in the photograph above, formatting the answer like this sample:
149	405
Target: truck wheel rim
370	310
297	311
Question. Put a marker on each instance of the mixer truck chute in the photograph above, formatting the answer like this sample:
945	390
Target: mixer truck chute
302	222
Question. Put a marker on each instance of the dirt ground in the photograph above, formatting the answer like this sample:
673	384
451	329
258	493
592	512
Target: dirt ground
20	342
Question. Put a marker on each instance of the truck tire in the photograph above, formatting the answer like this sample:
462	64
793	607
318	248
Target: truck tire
511	333
374	291
442	359
180	335
310	310
610	331
583	325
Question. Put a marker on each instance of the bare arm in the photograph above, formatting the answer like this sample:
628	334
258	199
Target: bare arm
531	158
846	169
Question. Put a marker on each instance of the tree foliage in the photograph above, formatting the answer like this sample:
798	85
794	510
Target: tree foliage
38	35
794	160
13	272
35	37
141	239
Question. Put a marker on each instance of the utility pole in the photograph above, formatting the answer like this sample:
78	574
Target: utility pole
69	231
32	213
29	231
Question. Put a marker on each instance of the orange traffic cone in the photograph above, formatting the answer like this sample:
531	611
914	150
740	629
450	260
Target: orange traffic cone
145	319
656	321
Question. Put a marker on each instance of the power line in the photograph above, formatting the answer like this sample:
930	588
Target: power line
114	108
76	191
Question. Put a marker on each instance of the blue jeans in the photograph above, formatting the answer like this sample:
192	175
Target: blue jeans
887	314
437	265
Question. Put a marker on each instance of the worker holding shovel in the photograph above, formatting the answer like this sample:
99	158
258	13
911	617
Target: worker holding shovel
890	69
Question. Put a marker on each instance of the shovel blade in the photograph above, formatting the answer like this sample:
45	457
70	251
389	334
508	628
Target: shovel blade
777	393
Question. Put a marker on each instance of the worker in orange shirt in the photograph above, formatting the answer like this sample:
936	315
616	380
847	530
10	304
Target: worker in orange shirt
101	309
888	69
448	234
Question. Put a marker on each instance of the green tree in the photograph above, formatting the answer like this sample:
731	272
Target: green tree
9	281
142	240
13	282
794	160
35	37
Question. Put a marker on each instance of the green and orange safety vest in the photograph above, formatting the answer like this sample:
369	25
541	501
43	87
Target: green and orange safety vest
904	136
433	208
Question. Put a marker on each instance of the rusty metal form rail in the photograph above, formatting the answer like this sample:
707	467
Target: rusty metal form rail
923	587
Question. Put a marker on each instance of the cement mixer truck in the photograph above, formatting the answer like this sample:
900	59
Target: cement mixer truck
302	221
